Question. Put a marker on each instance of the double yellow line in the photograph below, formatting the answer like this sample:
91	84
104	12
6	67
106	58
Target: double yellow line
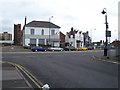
28	74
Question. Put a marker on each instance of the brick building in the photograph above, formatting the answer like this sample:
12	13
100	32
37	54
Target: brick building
62	40
17	34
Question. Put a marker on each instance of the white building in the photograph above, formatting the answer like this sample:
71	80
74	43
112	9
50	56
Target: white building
119	20
119	33
41	33
74	38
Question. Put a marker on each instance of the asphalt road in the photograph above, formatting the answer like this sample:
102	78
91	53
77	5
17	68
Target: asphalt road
68	69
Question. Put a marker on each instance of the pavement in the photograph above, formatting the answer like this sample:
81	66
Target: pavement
14	78
14	49
111	59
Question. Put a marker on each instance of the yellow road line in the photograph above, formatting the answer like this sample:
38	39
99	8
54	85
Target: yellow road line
30	78
28	74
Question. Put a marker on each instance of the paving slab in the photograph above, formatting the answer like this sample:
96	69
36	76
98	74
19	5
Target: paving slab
12	77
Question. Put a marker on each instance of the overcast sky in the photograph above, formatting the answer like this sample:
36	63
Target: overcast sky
83	15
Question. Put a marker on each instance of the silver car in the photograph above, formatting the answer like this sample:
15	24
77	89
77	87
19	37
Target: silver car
55	49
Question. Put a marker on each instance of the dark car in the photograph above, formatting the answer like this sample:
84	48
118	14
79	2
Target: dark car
70	48
37	48
90	48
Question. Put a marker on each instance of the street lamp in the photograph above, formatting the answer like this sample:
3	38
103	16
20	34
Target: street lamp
49	29
91	35
106	43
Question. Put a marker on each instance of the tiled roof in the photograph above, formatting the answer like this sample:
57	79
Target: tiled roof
43	24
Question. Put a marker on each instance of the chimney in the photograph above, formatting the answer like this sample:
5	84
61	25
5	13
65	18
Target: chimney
25	20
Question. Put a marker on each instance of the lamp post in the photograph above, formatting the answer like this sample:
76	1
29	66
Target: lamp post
91	35
49	29
106	43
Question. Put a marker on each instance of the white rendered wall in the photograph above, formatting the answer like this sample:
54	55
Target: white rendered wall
27	41
38	31
38	34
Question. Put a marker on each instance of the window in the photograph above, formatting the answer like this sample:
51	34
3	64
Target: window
42	31
41	41
52	32
32	31
47	41
33	42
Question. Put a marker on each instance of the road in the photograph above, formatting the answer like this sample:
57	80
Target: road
68	69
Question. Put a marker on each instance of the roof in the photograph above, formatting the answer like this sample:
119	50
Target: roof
62	34
43	24
72	32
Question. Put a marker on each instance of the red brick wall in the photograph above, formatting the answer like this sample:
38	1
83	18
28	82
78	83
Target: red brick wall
17	34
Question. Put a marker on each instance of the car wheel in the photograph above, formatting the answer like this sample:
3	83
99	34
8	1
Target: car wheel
36	50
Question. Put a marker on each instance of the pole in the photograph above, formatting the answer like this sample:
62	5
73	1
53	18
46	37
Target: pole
49	31
106	44
91	37
106	31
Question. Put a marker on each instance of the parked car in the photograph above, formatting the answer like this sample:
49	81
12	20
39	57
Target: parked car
82	49
69	48
37	48
55	49
26	47
90	48
112	47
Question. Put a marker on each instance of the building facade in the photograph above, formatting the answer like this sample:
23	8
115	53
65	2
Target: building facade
86	39
62	40
77	38
118	46
17	34
5	36
74	38
38	33
119	33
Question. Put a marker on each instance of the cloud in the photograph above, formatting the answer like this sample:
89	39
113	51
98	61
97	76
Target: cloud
81	14
6	25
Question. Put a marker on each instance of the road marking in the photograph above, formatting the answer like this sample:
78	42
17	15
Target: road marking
27	73
30	77
24	78
94	57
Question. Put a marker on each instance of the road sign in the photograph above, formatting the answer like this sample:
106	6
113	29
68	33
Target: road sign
108	33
